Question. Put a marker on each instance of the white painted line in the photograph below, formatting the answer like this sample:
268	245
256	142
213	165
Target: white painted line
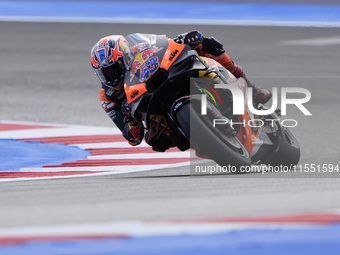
144	228
54	177
108	170
108	145
321	41
136	156
60	131
214	22
33	123
112	169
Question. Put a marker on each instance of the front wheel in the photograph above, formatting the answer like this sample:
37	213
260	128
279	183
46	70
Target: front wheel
210	141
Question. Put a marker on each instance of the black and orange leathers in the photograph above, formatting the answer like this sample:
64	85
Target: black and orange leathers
211	48
112	99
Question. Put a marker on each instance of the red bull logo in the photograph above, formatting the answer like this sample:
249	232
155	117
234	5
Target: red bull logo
146	63
139	47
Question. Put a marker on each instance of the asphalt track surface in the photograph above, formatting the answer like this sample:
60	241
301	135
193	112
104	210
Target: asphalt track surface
46	77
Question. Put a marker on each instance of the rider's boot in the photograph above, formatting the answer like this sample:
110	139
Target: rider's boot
212	48
260	95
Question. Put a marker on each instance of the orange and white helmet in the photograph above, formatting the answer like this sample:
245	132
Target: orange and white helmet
110	57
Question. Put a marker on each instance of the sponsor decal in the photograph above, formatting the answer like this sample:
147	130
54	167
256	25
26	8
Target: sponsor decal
134	94
148	68
112	114
180	101
107	105
139	47
173	54
110	92
146	63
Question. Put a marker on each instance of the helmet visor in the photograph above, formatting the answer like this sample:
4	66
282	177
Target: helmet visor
112	75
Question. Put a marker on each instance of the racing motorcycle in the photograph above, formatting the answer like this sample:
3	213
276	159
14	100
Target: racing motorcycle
169	88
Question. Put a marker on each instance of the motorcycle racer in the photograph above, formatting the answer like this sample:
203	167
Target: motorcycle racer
111	56
211	48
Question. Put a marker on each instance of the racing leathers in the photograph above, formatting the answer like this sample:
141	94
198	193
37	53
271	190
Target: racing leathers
114	101
211	48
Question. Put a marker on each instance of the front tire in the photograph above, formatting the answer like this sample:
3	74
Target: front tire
208	140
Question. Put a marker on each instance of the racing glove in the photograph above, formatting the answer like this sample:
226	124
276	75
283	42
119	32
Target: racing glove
192	38
197	41
133	131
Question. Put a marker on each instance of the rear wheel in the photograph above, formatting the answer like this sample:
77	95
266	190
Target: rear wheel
287	152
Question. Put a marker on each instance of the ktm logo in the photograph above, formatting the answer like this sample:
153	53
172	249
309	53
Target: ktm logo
134	94
173	54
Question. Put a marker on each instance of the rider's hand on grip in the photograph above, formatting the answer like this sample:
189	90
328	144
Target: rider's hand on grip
192	38
133	131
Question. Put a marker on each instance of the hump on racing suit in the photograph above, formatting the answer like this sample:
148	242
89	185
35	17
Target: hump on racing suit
113	100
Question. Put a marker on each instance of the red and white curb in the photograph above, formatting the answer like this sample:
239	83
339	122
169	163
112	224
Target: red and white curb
139	228
111	154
